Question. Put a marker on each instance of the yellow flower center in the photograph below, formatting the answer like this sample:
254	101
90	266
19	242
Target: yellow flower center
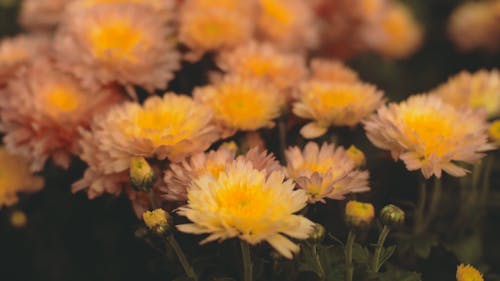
61	98
429	128
260	66
277	11
117	40
325	98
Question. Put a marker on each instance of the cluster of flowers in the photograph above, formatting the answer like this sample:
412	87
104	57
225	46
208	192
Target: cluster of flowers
64	94
476	25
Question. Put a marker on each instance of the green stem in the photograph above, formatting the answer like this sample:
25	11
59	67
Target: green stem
321	271
433	206
247	262
378	248
188	269
349	267
419	210
485	188
282	137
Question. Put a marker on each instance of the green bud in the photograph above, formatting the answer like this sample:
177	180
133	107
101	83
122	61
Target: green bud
141	174
392	216
317	234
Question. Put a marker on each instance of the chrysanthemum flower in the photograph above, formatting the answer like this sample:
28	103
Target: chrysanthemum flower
15	177
479	90
241	103
332	71
42	110
326	172
17	51
243	202
430	135
475	25
468	273
263	61
171	127
398	34
179	177
288	24
334	104
207	26
125	43
162	6
41	14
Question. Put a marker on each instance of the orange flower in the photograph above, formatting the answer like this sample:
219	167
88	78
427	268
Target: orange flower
43	109
41	14
125	43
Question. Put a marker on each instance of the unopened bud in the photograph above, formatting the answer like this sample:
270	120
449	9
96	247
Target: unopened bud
318	233
18	219
356	155
494	131
392	216
141	174
157	221
359	215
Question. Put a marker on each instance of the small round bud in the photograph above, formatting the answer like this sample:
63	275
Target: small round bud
318	233
359	215
392	216
494	131
357	156
157	221
18	219
141	174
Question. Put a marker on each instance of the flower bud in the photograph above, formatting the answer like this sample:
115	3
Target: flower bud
392	216
468	273
18	219
356	155
157	221
141	174
494	131
318	233
359	215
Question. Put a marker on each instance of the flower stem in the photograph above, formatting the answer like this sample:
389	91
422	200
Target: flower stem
419	210
485	189
247	262
321	271
433	206
378	248
188	269
349	267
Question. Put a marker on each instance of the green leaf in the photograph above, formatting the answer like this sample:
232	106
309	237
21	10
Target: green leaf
360	254
399	275
420	245
386	254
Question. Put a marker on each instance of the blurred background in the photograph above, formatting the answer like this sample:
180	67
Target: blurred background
68	237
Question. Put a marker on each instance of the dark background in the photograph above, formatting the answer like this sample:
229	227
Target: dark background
69	237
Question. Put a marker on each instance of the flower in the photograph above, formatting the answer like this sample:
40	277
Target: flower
392	216
125	43
214	25
473	25
288	24
326	172
43	108
241	104
18	51
359	214
242	202
263	61
494	132
468	273
430	135
179	176
15	177
163	6
332	71
356	155
478	90
41	15
173	126
398	35
334	104
156	220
